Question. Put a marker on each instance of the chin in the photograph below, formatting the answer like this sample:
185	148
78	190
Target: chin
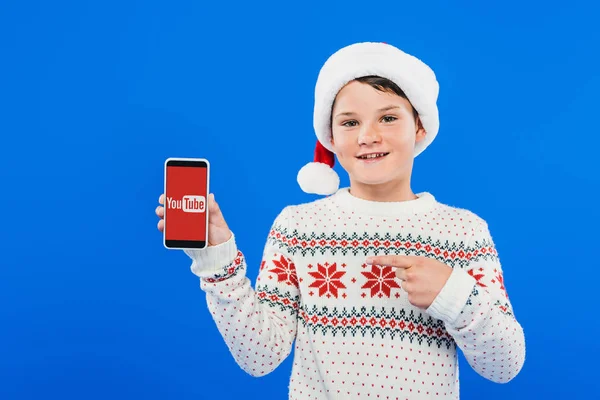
377	177
372	180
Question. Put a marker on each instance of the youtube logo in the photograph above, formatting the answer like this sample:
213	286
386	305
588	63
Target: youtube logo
189	203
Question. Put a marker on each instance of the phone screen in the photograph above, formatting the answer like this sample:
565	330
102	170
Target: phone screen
186	191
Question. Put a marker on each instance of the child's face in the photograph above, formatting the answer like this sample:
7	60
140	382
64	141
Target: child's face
366	120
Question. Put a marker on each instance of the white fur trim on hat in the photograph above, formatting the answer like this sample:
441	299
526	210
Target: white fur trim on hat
413	76
318	178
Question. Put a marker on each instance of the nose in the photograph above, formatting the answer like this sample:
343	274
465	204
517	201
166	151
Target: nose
368	135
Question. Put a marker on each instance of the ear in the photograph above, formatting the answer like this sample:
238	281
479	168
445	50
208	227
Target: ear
421	133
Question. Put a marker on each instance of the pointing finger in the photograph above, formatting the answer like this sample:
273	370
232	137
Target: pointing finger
392	261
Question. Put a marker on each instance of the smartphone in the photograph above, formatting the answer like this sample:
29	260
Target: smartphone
186	209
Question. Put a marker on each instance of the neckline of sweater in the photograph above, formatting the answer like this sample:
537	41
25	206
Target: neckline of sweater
424	202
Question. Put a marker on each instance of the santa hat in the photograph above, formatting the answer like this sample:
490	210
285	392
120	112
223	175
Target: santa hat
413	76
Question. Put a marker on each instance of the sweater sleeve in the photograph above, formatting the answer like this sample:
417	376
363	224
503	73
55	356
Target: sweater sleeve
477	312
258	325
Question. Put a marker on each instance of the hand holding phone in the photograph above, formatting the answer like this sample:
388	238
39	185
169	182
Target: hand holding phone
192	217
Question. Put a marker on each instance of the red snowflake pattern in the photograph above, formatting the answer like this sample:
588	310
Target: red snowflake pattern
380	280
327	279
477	277
500	279
285	271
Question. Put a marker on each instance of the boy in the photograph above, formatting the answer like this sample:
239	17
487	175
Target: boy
377	285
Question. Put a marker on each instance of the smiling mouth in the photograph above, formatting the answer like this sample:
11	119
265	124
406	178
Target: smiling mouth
372	156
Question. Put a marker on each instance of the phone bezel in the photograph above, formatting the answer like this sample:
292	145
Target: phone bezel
194	163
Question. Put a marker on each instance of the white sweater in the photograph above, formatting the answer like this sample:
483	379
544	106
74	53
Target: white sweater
356	333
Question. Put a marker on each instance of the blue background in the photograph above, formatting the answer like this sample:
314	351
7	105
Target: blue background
94	96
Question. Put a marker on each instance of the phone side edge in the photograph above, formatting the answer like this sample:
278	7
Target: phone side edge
164	238
207	195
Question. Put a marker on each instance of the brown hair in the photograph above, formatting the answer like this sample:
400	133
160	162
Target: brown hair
383	85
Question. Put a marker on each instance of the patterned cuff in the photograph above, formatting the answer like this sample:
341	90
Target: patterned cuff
453	297
211	261
229	271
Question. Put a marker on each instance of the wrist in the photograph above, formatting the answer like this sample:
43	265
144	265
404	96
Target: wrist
210	261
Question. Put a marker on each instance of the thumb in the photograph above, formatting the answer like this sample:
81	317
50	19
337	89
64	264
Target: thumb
213	208
215	216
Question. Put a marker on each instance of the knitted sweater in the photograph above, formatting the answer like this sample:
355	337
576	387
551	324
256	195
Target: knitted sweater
356	334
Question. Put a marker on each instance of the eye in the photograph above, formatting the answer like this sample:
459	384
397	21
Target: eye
389	118
350	124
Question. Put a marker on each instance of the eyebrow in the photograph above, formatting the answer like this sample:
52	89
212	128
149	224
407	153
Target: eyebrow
349	113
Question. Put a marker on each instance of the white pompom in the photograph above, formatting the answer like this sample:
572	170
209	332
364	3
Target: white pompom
318	178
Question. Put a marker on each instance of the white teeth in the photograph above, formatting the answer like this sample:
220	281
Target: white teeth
373	155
